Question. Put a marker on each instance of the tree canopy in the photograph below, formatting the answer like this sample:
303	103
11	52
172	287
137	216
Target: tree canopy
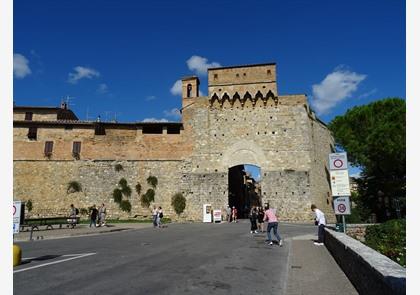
374	138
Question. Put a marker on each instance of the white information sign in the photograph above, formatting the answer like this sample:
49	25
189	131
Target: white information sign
342	206
16	216
207	213
338	161
340	184
217	215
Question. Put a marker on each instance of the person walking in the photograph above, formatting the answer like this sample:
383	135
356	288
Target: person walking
102	215
260	219
234	214
253	216
273	223
320	221
154	216
159	217
73	216
228	213
93	216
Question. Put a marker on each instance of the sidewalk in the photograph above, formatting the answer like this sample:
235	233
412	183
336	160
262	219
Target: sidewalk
312	270
79	230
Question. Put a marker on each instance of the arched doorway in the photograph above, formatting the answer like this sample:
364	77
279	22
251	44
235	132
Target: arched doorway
244	188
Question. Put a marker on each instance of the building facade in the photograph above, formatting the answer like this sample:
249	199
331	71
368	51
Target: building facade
243	120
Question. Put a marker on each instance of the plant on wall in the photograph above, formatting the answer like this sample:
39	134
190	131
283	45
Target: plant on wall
74	186
29	205
147	198
123	189
118	167
152	180
178	203
138	188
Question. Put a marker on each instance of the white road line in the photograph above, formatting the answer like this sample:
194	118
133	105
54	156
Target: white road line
55	262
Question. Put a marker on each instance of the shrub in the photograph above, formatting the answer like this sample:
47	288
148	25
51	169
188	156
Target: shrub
179	203
150	194
389	239
84	211
153	181
126	190
74	186
125	206
138	188
144	201
118	167
29	205
117	194
123	182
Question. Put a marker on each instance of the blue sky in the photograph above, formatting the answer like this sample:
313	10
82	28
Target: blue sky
123	58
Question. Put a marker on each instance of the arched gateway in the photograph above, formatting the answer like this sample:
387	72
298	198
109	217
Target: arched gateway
242	121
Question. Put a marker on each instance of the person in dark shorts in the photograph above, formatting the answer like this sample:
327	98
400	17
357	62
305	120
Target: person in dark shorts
260	219
253	217
93	216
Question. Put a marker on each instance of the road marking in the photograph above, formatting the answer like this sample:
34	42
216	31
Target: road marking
75	256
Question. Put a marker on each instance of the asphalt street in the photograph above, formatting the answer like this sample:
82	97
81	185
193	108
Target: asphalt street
180	259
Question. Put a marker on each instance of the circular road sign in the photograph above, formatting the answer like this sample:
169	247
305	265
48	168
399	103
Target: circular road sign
14	210
341	208
338	163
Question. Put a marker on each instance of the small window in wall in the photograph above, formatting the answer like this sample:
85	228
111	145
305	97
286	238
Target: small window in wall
268	72
152	129
77	147
28	116
48	149
174	129
32	133
215	76
189	89
100	129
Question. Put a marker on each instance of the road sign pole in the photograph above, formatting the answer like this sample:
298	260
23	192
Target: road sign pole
344	224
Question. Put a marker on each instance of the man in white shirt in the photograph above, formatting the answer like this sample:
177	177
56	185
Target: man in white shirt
320	221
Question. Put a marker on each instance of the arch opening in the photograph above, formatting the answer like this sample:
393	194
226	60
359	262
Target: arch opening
244	182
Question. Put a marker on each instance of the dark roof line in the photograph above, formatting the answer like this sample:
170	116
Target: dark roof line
243	66
91	123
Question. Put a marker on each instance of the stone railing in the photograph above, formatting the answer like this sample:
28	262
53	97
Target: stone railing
369	271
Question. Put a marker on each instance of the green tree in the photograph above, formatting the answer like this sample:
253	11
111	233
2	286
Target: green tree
373	136
179	203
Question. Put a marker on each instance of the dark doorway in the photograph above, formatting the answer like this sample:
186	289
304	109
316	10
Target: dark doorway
244	188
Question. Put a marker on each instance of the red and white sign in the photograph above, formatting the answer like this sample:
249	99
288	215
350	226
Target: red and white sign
342	206
217	215
16	216
338	161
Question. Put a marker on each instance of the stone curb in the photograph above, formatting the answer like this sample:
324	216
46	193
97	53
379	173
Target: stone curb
368	270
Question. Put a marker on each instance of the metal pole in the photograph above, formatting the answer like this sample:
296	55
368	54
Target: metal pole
344	224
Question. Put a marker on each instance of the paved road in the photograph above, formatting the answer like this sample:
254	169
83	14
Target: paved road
180	259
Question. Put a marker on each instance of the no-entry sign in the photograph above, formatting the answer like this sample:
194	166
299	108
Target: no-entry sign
338	161
342	206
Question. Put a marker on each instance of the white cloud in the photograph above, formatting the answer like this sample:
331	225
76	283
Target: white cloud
81	73
173	113
154	120
199	64
150	97
336	87
103	88
369	93
177	88
20	66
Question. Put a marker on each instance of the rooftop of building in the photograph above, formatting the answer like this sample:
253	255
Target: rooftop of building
243	66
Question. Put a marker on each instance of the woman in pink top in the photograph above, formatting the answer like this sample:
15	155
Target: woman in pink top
271	217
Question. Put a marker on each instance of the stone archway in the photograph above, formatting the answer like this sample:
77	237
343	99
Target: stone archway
244	152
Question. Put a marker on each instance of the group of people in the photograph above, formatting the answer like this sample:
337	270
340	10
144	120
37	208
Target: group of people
157	215
231	214
257	215
97	217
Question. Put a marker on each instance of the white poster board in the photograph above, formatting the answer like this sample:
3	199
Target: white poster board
338	161
342	206
217	215
340	184
16	216
207	213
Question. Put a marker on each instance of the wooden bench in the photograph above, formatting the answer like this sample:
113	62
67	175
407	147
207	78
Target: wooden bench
34	223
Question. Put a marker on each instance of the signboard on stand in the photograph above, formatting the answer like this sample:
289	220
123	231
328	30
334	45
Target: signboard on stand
217	215
16	216
207	213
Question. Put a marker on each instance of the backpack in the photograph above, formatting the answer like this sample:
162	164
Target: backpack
77	211
160	215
